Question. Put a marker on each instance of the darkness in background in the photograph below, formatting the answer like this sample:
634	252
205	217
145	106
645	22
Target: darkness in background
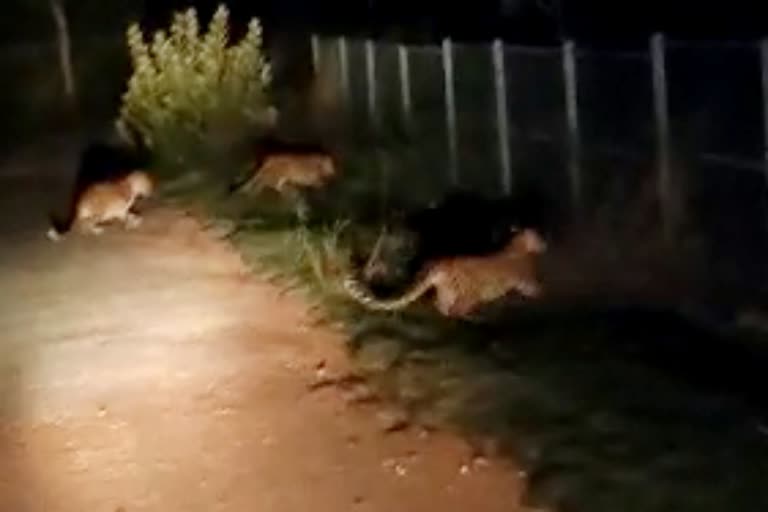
602	22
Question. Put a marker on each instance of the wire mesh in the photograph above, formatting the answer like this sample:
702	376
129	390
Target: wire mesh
412	165
536	111
616	98
729	210
535	95
328	62
358	87
715	98
427	136
388	97
715	123
617	125
478	162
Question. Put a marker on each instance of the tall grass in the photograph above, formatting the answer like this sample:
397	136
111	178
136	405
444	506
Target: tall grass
194	95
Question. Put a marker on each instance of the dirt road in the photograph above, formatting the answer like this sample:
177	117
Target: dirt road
146	371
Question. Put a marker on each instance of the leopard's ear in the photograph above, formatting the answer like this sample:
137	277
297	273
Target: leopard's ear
534	241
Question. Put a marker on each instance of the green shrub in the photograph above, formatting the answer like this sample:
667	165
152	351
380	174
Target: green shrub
191	92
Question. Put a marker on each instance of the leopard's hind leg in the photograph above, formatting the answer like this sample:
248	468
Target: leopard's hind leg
132	220
446	301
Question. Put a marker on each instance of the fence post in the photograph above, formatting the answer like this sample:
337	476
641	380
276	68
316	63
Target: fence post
370	75
450	110
344	68
764	69
572	122
315	42
64	45
502	121
405	83
662	131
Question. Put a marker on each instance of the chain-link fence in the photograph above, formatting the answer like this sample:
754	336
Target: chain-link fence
672	137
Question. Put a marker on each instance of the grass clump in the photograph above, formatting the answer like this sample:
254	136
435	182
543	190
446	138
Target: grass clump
195	94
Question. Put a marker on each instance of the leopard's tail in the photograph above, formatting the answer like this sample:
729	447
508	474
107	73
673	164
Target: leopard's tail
61	225
242	183
359	292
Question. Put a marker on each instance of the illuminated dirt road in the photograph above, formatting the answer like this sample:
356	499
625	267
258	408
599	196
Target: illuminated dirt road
143	371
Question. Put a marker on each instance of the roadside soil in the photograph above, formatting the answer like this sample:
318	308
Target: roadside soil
148	370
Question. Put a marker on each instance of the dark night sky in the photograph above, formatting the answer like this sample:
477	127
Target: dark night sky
598	21
687	19
603	22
